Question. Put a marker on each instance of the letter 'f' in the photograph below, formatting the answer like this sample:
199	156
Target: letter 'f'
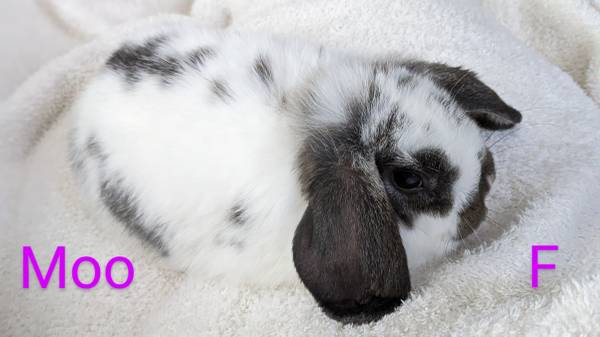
535	266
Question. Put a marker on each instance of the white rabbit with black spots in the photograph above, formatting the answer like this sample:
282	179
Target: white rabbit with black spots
256	159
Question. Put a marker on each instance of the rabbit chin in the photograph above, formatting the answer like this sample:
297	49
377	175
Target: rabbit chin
429	239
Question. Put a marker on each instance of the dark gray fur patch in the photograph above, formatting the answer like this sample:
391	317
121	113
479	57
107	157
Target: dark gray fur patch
198	57
474	213
436	165
235	233
237	215
374	93
221	90
133	61
405	81
78	155
119	200
436	196
384	138
93	148
359	110
124	207
262	67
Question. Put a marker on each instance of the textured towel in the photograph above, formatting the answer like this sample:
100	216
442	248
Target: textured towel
546	192
565	32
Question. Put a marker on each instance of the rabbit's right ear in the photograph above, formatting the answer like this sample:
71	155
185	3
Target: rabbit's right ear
347	247
479	101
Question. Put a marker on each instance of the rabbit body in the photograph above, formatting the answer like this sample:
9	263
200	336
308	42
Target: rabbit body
212	146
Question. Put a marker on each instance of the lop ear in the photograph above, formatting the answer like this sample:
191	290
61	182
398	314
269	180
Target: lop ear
347	248
479	101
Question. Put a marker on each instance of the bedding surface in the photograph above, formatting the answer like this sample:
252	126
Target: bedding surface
548	180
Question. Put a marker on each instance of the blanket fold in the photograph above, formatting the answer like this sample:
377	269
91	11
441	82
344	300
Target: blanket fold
546	193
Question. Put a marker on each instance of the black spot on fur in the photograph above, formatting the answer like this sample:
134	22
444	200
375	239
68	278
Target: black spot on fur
358	117
198	57
475	211
221	90
119	200
262	67
436	165
94	149
235	234
133	61
79	155
384	138
359	112
237	215
124	207
374	93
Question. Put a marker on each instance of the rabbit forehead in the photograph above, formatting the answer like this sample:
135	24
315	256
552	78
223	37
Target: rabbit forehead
413	114
433	120
396	111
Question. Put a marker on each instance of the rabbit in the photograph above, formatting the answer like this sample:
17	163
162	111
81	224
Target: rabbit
260	159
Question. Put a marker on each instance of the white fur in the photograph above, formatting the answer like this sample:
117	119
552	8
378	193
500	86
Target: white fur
190	157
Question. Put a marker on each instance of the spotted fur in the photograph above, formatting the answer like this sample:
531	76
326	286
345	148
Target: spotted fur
179	140
134	61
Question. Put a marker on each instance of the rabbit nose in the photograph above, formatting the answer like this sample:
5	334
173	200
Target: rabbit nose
363	311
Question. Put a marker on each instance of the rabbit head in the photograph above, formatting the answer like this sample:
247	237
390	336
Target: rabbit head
393	167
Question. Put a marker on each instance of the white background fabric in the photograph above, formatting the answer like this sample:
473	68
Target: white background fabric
546	192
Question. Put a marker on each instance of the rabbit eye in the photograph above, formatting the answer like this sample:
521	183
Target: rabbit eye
407	180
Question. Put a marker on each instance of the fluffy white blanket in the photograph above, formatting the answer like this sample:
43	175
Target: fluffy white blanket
546	192
565	32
